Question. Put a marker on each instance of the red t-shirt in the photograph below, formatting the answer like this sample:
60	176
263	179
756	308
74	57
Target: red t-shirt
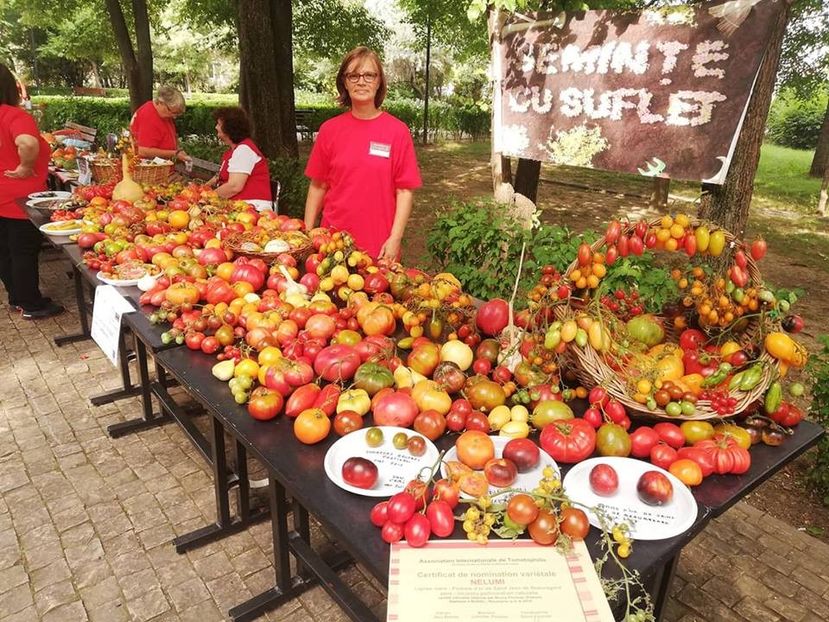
148	129
364	162
243	159
13	123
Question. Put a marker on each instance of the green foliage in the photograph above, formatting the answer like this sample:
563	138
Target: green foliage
795	122
653	281
818	370
804	63
480	243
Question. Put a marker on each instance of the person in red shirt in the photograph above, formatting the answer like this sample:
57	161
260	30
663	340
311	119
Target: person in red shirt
362	167
153	129
24	165
243	174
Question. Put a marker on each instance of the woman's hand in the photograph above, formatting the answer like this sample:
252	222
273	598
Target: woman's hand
390	250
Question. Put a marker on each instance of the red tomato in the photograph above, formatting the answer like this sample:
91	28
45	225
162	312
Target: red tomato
447	491
392	532
758	249
441	518
522	509
401	507
264	404
359	472
568	441
692	339
477	420
417	530
431	424
670	433
642	440
662	455
544	529
574	523
418	489
704	459
728	456
380	514
346	422
492	316
210	345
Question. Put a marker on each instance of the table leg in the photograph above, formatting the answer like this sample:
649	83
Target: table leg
127	388
82	312
662	586
223	479
149	418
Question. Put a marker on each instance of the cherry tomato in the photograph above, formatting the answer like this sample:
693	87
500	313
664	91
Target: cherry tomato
347	421
416	445
574	523
401	507
522	509
418	489
446	491
544	529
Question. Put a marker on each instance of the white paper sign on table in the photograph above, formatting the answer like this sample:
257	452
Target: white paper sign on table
109	306
84	172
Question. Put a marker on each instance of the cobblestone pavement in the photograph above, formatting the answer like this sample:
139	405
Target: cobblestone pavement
86	521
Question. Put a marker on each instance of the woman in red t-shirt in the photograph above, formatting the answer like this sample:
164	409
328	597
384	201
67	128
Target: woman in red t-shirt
363	168
153	127
24	165
243	174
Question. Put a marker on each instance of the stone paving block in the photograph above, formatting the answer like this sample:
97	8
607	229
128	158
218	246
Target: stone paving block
16	599
813	602
26	615
187	594
249	562
40	556
101	593
135	585
54	596
213	566
92	573
293	614
228	591
114	611
49	575
786	608
778	582
204	611
148	605
177	572
130	563
12	577
81	554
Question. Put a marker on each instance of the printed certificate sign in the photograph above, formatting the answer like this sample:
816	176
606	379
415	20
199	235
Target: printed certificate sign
515	581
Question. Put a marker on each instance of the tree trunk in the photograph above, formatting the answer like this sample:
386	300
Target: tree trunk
820	163
144	54
822	207
266	86
728	205
426	90
137	84
526	178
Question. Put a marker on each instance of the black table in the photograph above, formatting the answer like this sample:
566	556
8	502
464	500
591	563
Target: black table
297	470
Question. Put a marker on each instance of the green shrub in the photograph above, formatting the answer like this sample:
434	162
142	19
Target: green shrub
795	122
818	370
289	172
480	243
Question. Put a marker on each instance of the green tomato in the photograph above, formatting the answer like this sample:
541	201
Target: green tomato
400	440
613	440
688	408
796	389
374	437
673	409
241	397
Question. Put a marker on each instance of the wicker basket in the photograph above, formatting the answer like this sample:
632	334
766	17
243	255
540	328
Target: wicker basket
240	243
592	368
105	170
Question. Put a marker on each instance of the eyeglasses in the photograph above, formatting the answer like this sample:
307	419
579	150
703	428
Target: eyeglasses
354	78
174	113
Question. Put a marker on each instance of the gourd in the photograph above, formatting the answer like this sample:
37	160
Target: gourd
127	189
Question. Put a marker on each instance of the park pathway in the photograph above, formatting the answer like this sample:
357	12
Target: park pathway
86	521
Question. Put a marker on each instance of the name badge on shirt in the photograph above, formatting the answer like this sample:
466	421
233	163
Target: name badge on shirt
379	149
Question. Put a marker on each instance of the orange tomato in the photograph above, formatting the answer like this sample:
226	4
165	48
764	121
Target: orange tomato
269	356
686	471
670	368
475	449
225	270
311	426
693	382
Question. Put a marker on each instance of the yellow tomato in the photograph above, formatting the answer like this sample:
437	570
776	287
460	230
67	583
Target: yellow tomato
246	367
355	282
670	368
225	270
178	219
729	348
717	243
780	346
269	355
740	435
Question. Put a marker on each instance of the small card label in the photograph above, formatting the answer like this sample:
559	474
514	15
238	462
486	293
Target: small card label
379	149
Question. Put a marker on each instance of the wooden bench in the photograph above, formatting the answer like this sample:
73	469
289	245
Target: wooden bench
82	131
304	119
87	91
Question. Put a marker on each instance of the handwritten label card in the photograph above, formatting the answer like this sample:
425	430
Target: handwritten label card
518	581
109	306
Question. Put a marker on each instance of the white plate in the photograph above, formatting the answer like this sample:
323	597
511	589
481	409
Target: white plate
395	467
45	228
647	522
121	282
51	194
525	481
49	203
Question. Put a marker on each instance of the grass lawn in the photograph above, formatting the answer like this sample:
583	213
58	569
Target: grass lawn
783	176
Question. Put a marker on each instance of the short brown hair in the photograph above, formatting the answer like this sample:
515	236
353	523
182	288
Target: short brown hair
358	54
8	87
235	122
